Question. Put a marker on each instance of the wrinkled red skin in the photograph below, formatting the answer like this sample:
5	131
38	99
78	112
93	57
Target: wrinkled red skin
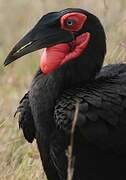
57	55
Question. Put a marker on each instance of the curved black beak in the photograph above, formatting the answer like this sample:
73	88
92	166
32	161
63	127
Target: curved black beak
39	37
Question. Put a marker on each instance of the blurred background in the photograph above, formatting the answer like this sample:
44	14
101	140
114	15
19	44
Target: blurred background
18	159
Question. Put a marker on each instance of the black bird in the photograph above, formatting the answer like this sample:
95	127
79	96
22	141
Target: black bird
71	71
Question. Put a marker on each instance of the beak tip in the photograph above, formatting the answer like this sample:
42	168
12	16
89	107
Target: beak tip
6	62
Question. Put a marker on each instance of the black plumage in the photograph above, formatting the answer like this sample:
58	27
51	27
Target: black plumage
47	111
101	124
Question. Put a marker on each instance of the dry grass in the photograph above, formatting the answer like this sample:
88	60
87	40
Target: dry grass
18	159
71	158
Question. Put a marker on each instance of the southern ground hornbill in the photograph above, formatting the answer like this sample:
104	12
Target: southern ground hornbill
70	72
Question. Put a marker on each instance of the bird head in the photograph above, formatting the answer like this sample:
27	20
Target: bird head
72	39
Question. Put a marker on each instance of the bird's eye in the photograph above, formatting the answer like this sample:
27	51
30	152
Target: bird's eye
70	22
73	22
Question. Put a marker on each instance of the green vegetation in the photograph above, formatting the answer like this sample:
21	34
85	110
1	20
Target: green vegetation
18	159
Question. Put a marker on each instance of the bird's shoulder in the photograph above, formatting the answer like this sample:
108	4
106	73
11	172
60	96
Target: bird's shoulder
102	107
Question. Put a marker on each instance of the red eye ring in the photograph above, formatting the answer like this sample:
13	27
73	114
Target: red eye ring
76	21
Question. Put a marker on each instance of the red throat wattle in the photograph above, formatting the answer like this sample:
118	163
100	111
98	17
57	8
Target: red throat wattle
55	56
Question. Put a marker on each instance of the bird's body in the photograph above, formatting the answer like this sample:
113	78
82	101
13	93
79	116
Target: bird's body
100	143
47	109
